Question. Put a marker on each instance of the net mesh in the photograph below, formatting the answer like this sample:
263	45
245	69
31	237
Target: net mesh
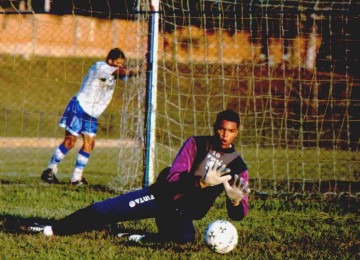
286	67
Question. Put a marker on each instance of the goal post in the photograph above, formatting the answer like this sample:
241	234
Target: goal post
151	94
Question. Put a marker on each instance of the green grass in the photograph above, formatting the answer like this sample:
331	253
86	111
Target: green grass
277	172
36	91
274	229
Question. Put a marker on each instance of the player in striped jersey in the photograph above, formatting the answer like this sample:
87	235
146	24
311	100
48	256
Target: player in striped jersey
80	117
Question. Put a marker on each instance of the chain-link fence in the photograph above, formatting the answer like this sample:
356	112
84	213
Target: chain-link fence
288	68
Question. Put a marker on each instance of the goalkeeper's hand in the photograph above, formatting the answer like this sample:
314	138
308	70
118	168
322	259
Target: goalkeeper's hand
237	191
214	175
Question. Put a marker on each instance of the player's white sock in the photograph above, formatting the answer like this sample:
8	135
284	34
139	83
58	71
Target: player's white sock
48	231
76	175
81	161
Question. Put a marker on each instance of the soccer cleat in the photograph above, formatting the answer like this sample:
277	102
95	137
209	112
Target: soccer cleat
49	176
36	228
136	238
79	183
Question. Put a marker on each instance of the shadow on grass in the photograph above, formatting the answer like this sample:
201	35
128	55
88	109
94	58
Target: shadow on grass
12	225
62	185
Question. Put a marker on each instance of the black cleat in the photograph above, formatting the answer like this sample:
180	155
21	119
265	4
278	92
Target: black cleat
49	176
79	183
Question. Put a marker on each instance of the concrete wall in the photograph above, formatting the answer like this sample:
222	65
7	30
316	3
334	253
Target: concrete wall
70	35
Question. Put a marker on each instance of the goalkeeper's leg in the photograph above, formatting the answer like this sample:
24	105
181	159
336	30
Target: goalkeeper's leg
139	204
174	226
82	220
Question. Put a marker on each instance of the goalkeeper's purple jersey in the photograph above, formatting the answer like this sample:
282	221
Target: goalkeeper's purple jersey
184	160
97	88
190	164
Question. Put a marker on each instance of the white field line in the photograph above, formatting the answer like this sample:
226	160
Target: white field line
11	142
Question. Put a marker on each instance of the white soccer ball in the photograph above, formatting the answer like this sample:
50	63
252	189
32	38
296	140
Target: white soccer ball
221	236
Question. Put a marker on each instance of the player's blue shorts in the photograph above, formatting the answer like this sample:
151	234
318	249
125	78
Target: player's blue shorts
76	121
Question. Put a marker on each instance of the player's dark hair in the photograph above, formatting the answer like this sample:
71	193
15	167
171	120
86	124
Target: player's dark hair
115	54
228	115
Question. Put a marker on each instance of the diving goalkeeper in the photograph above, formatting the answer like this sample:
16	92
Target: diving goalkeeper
204	167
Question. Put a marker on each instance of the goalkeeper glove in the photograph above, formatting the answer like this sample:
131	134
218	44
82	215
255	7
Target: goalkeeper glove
237	191
214	175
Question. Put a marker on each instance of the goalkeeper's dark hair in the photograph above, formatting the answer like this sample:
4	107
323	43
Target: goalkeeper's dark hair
228	115
115	54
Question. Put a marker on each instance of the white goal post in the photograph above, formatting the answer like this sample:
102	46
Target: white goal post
151	97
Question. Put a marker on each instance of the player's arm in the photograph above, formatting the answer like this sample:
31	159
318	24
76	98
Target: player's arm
127	72
173	181
179	180
183	161
237	196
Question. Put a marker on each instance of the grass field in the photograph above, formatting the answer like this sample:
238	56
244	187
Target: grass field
274	229
25	161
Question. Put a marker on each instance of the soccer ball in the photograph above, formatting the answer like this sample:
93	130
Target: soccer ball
221	236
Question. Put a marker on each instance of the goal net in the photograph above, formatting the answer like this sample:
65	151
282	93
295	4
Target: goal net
288	67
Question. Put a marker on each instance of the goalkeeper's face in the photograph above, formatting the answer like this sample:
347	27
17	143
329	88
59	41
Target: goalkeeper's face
227	132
